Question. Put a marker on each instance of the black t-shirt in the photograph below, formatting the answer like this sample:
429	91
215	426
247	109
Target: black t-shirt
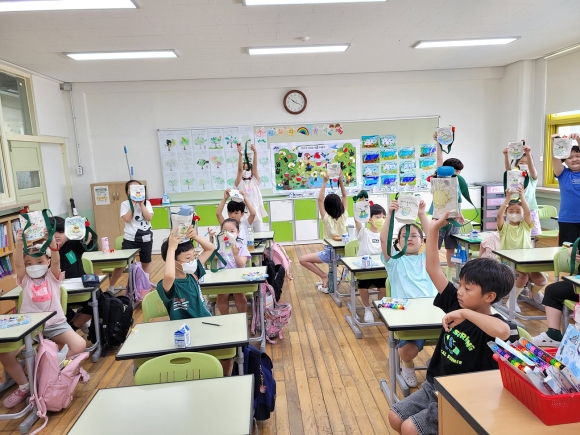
464	348
71	254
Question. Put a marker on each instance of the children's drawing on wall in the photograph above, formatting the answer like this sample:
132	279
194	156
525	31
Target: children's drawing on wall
389	182
202	164
216	160
186	163
370	175
231	182
427	150
370	156
301	166
407	153
427	163
407	173
230	137
388	141
388	154
218	182
389	168
202	183
187	181
370	141
169	164
172	184
199	139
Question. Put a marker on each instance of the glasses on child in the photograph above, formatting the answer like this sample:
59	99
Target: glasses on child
412	236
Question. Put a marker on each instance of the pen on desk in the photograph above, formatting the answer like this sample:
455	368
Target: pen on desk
207	323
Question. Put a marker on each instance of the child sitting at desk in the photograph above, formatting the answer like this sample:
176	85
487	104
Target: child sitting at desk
334	213
238	257
408	279
467	327
517	234
369	240
39	278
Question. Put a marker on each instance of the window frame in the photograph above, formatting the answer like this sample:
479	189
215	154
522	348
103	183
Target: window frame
554	121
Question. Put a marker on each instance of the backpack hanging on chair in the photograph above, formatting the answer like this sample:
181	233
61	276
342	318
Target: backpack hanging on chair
276	315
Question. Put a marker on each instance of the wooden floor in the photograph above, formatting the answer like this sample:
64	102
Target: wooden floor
327	380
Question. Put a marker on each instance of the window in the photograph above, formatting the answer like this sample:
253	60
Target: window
563	124
14	102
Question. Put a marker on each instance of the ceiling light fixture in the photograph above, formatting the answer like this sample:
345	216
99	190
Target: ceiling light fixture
564	50
114	55
301	2
464	42
298	49
60	5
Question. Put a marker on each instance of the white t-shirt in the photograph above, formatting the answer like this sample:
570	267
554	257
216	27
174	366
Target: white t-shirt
244	225
369	243
138	229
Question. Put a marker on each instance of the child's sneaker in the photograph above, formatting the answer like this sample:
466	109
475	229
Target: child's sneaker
543	340
16	397
85	328
409	376
538	297
369	318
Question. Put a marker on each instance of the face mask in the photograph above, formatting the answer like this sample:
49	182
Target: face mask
515	217
378	223
190	267
246	174
37	271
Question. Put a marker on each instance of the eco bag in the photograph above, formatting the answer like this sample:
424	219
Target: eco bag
513	180
35	224
408	209
446	137
362	207
223	238
77	228
562	147
182	220
515	150
408	204
445	197
333	170
137	192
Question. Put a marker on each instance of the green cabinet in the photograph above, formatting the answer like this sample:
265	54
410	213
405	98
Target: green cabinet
350	207
207	215
267	218
283	231
305	209
161	219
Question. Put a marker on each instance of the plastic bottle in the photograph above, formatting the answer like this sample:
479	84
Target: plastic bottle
165	199
250	239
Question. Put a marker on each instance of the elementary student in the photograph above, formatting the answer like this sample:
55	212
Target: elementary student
248	181
467	327
236	210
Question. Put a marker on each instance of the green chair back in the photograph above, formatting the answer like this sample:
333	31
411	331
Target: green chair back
547	211
387	288
181	366
561	263
351	248
153	307
63	298
524	334
466	228
88	266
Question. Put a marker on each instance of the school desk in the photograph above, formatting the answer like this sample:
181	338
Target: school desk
219	406
420	319
266	236
525	260
257	253
469	244
477	403
148	340
101	260
337	249
16	334
357	272
229	281
74	286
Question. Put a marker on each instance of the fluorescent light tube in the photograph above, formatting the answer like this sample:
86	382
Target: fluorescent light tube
59	5
298	49
301	2
150	54
464	42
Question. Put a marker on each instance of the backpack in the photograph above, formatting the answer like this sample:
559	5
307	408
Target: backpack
276	316
260	365
53	387
141	284
116	318
279	256
276	274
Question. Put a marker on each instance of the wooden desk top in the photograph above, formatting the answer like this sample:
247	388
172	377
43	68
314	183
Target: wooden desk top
488	408
116	255
10	335
419	314
209	406
527	256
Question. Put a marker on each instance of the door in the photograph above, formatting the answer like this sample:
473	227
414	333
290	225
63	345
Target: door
28	174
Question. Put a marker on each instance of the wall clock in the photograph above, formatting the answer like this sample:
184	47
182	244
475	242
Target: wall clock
295	102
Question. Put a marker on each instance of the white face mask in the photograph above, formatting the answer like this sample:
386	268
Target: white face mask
190	267
37	271
246	174
515	217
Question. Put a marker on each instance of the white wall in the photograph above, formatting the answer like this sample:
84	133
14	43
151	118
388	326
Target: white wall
50	114
54	174
563	84
111	115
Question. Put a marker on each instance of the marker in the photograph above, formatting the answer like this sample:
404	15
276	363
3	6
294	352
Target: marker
213	324
542	354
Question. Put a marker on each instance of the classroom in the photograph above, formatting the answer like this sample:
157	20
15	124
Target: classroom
289	217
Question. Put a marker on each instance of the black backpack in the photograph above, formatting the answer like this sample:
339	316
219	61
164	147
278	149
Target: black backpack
276	274
260	365
116	318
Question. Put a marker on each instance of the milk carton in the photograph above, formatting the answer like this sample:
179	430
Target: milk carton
182	337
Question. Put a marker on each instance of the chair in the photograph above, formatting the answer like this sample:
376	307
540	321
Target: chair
547	212
78	299
153	307
175	367
351	248
108	268
524	334
562	264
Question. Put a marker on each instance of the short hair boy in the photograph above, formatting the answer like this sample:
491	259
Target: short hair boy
467	327
236	210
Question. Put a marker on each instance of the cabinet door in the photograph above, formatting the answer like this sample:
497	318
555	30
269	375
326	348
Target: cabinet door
266	219
207	215
160	219
305	209
159	237
307	230
283	231
107	217
282	211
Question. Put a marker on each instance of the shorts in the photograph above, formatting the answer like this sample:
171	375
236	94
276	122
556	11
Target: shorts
145	249
54	330
419	343
537	229
326	255
422	408
377	283
445	236
569	232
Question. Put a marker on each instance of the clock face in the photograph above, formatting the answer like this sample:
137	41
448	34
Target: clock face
295	102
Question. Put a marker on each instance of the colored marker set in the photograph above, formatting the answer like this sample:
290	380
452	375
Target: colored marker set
393	303
9	322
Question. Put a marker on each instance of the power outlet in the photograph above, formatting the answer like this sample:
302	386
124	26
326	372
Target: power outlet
79	170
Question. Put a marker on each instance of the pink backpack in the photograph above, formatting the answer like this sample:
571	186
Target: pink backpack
276	315
53	387
141	284
489	244
279	256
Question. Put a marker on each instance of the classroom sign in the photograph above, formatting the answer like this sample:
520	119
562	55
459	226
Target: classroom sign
302	165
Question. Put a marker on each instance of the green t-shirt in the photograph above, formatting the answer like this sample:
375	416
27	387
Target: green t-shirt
516	236
184	300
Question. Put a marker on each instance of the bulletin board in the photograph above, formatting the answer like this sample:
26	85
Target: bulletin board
389	155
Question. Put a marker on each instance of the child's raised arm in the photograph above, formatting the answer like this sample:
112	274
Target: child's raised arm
255	172
207	246
491	325
501	212
557	164
169	269
439	150
432	254
531	166
251	208
423	218
506	160
220	208
321	196
19	256
240	166
343	191
55	259
525	206
393	206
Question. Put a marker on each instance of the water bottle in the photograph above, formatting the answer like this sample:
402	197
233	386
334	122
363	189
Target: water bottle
185	210
165	199
250	239
105	245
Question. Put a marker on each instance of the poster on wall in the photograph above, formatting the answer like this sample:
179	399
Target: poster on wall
102	195
302	165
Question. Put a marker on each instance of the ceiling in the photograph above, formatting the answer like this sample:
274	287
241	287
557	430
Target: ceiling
211	36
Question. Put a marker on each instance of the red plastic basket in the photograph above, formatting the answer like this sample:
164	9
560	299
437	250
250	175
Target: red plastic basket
155	201
552	410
